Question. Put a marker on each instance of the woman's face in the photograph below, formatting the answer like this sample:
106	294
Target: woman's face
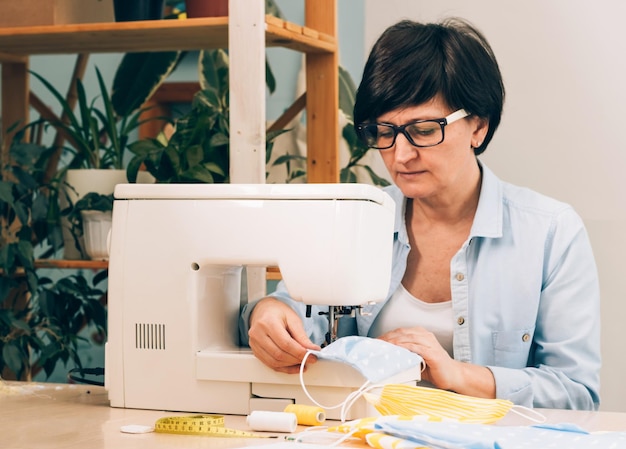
439	171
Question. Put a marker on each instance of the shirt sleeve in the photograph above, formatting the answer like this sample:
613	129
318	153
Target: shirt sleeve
565	359
315	326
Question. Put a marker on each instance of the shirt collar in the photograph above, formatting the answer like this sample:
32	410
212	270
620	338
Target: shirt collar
488	218
399	231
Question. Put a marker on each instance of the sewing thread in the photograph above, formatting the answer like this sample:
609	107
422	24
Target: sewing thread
307	415
272	421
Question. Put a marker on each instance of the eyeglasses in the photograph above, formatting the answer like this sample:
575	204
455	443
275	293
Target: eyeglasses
420	133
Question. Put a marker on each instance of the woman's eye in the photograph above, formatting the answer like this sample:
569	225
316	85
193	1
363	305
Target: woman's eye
421	130
384	132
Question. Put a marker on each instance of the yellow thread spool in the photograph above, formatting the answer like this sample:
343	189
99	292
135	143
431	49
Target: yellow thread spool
307	415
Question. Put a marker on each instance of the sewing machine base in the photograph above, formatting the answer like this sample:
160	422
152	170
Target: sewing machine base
235	382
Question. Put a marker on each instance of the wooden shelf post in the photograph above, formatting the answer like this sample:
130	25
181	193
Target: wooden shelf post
322	105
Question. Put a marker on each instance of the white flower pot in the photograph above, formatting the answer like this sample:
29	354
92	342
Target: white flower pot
102	181
96	229
81	182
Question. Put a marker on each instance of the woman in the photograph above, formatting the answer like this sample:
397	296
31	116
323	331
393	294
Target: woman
494	285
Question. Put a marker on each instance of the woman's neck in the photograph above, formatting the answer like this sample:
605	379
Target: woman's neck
457	205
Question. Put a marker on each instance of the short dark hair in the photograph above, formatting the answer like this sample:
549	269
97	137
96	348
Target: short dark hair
412	62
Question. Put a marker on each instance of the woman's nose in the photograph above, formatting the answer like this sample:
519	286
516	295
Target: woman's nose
404	150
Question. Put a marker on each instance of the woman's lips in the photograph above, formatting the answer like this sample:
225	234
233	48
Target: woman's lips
410	174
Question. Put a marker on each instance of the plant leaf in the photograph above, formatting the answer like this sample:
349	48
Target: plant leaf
138	76
109	124
347	93
272	8
270	80
346	175
6	192
13	357
213	70
197	173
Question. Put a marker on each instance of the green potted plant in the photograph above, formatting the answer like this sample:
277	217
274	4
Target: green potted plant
90	218
40	320
198	150
49	327
97	139
27	218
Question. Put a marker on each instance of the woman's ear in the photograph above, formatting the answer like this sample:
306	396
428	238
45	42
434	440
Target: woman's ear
481	126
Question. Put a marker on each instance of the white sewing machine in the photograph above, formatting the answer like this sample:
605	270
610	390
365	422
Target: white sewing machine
176	257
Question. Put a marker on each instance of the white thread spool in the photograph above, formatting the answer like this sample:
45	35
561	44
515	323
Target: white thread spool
272	421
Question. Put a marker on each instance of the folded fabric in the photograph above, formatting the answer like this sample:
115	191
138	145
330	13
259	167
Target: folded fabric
436	404
419	433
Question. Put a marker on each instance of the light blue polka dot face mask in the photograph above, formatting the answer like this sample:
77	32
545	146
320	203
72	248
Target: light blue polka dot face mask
390	370
378	362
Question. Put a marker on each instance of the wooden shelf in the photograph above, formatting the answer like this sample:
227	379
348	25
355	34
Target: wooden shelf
317	40
76	264
273	273
151	35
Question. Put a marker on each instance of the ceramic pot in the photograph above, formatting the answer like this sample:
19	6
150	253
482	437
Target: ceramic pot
130	10
79	183
206	8
96	230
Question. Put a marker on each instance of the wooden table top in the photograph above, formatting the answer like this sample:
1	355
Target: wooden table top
46	415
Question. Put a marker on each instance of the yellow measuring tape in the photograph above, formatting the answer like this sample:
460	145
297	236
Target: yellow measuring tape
207	425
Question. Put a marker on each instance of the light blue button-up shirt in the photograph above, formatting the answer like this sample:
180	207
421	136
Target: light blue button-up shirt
525	297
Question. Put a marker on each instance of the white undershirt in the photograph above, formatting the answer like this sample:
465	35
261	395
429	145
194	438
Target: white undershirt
405	310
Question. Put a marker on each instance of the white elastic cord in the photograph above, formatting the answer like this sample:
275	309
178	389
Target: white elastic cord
324	437
529	414
345	404
354	396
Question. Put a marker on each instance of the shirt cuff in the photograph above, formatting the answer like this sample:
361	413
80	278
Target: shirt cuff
513	385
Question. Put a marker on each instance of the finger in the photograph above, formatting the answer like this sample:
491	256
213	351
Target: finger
403	336
275	358
277	336
290	349
299	335
399	334
278	348
277	353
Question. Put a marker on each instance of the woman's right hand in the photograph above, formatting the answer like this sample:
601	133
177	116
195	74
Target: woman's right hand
277	336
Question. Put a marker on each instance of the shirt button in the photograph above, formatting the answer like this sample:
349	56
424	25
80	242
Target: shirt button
459	277
460	321
525	337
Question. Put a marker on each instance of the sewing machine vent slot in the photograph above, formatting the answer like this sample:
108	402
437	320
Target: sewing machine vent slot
149	336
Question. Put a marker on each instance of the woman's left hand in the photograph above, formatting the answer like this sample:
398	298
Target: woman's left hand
441	370
439	365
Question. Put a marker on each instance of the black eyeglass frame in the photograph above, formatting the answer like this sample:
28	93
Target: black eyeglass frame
442	122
